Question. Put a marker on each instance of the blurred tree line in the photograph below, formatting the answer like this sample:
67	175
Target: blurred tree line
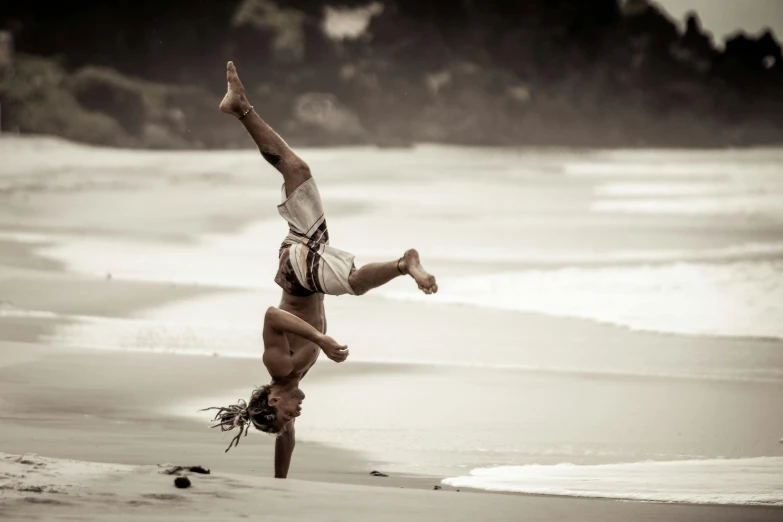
489	72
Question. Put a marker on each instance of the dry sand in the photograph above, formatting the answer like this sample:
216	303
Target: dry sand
39	488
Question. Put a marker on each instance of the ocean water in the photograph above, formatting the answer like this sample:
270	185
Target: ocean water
756	481
675	243
731	299
672	242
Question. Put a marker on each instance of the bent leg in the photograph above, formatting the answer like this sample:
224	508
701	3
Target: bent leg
273	148
374	275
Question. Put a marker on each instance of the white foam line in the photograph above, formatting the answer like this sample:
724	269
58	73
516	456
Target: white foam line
28	237
578	371
745	481
188	352
658	170
31	314
617	256
740	205
665	189
104	320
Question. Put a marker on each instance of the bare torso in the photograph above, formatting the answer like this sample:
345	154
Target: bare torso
310	309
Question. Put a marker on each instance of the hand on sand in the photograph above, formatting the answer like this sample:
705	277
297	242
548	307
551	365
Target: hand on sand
333	350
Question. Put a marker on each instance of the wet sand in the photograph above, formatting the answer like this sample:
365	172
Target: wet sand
106	407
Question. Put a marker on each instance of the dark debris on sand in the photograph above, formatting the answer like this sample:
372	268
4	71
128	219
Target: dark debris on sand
170	469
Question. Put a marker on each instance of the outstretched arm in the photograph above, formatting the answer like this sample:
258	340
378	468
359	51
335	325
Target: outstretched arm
278	322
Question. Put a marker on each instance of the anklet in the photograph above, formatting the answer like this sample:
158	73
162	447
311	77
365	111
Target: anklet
398	266
245	113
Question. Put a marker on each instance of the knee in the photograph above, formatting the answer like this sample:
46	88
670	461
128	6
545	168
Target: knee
295	173
302	170
356	285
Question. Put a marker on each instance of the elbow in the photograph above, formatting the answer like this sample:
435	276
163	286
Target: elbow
271	315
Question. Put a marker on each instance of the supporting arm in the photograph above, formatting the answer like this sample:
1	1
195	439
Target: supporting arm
284	448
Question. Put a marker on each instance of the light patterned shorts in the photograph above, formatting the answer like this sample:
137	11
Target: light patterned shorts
308	264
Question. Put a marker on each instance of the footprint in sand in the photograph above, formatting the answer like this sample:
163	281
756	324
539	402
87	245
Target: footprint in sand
164	496
139	503
50	501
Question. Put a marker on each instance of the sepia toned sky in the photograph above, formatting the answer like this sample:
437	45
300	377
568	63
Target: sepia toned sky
723	17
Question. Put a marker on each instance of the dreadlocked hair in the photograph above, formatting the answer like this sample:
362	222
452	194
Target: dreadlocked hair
241	415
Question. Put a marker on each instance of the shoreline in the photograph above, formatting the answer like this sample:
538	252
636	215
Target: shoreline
577	147
60	487
131	404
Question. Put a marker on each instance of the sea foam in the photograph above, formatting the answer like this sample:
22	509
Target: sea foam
710	481
736	299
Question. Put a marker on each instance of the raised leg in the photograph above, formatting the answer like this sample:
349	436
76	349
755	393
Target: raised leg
273	148
374	275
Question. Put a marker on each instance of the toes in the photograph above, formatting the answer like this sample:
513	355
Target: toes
429	289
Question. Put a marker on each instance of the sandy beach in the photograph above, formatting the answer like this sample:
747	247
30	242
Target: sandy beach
79	408
116	326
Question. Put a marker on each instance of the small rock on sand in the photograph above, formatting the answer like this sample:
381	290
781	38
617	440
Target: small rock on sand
182	482
378	474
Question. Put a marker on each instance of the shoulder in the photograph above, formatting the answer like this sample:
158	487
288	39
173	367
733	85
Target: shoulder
277	352
278	362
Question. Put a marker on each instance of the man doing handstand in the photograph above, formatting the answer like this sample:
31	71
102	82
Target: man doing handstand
309	267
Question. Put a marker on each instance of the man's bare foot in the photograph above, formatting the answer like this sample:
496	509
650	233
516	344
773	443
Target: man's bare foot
409	264
234	102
